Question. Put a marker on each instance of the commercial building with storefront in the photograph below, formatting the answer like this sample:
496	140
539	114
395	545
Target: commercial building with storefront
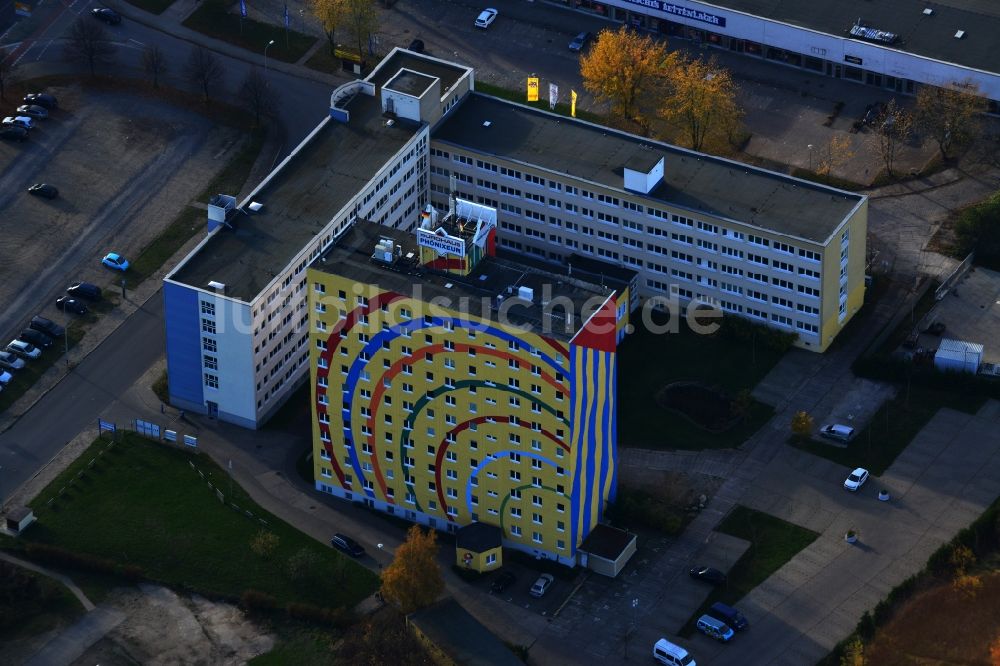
897	45
453	386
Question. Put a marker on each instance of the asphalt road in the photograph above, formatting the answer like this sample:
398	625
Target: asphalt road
76	402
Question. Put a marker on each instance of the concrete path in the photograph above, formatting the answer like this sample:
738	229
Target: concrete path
65	580
67	647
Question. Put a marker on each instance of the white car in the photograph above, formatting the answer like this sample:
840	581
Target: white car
486	17
25	349
856	479
10	361
19	121
542	585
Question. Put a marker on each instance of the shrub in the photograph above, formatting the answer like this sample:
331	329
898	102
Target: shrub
264	544
640	509
334	617
978	228
255	600
59	557
866	626
744	330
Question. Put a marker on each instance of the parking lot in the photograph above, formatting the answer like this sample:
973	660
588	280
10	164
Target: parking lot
125	166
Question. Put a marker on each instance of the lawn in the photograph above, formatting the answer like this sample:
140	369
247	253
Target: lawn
647	362
892	428
773	542
214	19
142	504
31	604
192	220
521	97
299	646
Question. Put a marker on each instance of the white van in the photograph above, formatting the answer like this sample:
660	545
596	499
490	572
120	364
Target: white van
667	653
836	431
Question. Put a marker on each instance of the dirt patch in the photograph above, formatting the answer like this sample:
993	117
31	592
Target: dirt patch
164	628
915	634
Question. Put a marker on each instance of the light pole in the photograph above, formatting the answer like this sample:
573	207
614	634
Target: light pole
380	546
265	53
810	147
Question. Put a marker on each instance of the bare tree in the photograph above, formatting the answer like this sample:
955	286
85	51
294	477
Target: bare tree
8	72
89	41
257	96
155	64
204	70
894	126
950	116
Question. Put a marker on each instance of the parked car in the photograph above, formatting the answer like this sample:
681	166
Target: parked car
502	581
18	121
346	544
417	46
12	133
36	338
729	615
33	110
708	574
109	16
24	349
5	377
486	18
47	326
714	628
837	431
70	304
11	361
42	99
581	41
44	190
542	585
86	290
671	654
856	479
115	261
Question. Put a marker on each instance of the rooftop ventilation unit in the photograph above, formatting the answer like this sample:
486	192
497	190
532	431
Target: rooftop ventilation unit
862	31
218	287
928	11
384	250
960	34
487	123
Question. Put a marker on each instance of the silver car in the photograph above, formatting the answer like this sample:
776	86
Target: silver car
25	349
10	361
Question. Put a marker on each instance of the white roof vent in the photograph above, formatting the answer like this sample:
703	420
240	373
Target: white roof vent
928	11
255	206
217	286
960	34
487	123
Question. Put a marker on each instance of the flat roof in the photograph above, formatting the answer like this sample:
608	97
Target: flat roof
398	59
410	83
932	36
478	537
606	541
695	181
475	294
300	199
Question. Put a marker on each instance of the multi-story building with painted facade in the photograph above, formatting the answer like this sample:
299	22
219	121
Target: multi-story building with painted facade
452	386
696	228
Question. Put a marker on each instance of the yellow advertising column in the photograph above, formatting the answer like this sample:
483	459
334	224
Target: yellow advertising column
533	89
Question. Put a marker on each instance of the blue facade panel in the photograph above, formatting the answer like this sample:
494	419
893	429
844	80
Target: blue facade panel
183	333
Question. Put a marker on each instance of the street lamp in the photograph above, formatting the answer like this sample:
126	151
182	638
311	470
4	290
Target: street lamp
810	147
380	546
265	53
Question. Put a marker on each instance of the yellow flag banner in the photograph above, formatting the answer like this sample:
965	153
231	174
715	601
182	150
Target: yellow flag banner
572	103
533	89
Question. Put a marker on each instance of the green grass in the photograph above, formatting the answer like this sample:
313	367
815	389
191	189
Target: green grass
152	6
25	378
142	504
773	542
324	61
298	646
192	220
52	607
212	18
651	361
892	428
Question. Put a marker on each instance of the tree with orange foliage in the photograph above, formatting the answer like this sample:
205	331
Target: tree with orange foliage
701	99
995	652
623	69
413	579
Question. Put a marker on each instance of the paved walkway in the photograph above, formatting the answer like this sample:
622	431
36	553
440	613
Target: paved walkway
65	580
72	642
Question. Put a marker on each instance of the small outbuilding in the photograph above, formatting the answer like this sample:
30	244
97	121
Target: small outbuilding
478	547
958	356
18	519
453	637
606	550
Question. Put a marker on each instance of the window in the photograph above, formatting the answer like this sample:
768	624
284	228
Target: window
208	308
209	345
207	326
211	381
211	362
